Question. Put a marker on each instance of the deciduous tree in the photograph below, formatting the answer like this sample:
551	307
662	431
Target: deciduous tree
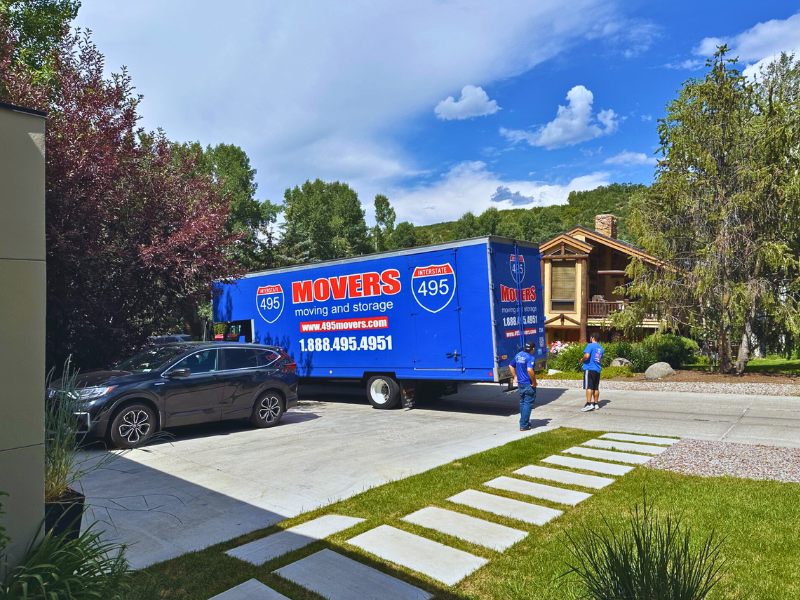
384	223
132	237
403	236
229	166
323	221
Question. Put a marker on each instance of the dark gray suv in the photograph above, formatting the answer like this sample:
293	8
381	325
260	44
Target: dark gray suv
182	384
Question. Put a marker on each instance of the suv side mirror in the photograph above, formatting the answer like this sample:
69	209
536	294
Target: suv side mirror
179	373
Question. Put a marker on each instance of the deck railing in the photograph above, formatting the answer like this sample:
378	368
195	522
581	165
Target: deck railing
601	310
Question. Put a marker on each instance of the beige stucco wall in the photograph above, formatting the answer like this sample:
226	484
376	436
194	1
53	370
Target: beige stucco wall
22	314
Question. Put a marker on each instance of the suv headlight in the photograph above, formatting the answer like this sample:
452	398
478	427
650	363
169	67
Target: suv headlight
91	393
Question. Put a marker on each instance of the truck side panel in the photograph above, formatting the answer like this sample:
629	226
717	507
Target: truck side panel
422	315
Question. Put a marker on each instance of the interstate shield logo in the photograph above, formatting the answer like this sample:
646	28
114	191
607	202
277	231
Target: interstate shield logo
269	301
517	267
434	286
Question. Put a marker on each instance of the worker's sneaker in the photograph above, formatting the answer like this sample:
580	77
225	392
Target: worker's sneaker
596	407
587	408
528	428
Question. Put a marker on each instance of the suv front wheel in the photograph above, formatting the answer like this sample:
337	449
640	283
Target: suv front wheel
268	409
133	426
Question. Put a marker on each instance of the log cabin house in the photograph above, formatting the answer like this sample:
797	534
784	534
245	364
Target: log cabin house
581	270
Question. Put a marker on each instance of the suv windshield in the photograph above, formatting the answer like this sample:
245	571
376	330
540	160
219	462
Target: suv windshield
151	359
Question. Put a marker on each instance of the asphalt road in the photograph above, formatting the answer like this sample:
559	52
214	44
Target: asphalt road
218	481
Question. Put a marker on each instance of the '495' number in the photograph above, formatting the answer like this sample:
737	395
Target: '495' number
433	287
273	302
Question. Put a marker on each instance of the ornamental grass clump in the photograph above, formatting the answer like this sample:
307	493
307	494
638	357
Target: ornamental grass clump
56	567
648	558
64	461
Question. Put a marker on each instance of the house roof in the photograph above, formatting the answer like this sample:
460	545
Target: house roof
619	245
567	239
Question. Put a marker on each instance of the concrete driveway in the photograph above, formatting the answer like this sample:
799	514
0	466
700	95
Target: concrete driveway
218	481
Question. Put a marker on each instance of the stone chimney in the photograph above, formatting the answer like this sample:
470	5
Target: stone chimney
606	224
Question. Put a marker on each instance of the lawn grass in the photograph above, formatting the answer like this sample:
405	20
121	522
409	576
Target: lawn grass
770	364
774	364
608	373
760	520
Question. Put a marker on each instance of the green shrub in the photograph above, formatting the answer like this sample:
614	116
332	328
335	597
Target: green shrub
641	358
672	349
569	359
610	372
650	558
617	349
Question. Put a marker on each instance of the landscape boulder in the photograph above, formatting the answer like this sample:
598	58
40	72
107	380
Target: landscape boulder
620	362
658	371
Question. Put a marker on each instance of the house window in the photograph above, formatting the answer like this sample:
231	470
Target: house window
562	286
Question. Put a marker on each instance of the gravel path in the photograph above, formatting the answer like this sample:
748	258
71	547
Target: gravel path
714	459
749	389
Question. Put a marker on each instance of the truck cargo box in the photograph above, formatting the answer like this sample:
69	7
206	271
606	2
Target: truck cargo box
451	312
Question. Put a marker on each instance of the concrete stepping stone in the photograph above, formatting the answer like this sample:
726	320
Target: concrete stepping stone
507	507
588	465
425	556
250	590
473	530
260	551
589	481
337	577
632	459
627	447
645	439
538	490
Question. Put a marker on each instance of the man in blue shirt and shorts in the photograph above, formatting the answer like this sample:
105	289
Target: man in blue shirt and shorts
592	357
522	369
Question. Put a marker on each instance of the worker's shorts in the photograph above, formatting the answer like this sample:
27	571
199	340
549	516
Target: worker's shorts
591	380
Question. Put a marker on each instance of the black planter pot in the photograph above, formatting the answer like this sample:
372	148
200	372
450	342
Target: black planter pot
64	516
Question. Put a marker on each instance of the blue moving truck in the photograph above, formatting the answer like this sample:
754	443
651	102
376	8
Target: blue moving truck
406	324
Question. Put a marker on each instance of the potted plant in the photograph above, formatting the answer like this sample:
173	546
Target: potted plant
65	463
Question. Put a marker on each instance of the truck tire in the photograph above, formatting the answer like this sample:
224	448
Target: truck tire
383	392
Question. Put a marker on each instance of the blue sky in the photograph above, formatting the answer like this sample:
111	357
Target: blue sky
445	106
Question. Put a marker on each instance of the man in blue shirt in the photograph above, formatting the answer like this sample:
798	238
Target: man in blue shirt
592	357
522	369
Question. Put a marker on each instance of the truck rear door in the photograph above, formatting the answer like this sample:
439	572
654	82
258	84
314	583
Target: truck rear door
435	313
518	306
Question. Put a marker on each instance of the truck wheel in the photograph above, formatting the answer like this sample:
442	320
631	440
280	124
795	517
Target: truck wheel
383	392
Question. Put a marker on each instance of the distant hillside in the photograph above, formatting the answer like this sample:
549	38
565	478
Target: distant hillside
539	223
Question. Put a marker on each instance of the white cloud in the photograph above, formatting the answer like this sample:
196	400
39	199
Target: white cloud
470	186
690	64
631	37
647	117
760	44
298	83
628	159
574	123
474	102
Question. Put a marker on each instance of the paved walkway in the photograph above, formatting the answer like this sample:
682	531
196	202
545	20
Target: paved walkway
336	577
219	481
762	419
